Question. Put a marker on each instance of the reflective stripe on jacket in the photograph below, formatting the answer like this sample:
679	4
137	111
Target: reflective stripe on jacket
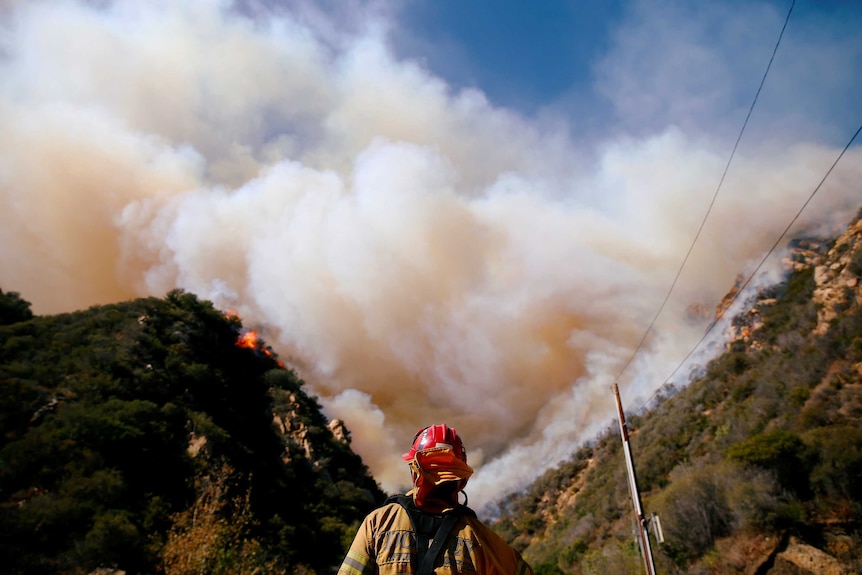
386	545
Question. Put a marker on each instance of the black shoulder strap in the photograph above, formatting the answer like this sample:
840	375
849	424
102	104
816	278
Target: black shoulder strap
427	566
399	498
425	558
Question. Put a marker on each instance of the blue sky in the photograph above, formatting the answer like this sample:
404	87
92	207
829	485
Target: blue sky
522	54
434	210
535	56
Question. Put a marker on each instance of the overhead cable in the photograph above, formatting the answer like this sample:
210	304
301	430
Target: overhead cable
712	202
762	261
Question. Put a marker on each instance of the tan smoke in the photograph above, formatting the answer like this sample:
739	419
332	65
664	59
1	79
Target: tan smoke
418	254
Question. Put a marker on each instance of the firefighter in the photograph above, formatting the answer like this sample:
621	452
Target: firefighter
427	531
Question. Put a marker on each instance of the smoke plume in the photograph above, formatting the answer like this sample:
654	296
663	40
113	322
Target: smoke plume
417	253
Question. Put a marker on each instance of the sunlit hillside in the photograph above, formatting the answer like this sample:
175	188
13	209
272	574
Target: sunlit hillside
754	467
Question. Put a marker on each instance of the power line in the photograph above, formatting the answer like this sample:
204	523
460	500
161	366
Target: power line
712	202
762	261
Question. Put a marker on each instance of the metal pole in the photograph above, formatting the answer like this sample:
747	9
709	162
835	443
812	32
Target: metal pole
643	533
657	530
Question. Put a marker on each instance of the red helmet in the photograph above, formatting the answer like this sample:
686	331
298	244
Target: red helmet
437	436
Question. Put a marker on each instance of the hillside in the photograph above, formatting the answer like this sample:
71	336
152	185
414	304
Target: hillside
754	467
159	436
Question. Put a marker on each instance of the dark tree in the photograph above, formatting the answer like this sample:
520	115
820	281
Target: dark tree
13	308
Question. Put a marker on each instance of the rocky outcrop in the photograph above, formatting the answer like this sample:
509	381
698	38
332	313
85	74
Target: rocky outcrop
290	425
802	559
339	431
837	272
837	276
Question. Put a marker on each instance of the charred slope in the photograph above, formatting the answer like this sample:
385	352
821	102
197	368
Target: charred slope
140	437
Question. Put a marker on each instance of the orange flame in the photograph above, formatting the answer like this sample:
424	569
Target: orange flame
250	340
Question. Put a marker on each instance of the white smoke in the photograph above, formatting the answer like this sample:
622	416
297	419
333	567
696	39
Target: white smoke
419	254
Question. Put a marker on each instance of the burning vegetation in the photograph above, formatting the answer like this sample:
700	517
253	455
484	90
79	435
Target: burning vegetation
250	339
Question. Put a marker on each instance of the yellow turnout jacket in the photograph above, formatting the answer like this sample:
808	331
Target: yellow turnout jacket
386	545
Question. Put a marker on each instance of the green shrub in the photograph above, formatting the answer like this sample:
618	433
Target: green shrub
547	569
838	472
694	511
781	452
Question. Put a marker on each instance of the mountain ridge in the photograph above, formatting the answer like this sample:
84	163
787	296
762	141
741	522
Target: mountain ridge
754	466
148	437
751	465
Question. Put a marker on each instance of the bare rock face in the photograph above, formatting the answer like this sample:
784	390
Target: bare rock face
837	276
196	443
802	559
339	431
